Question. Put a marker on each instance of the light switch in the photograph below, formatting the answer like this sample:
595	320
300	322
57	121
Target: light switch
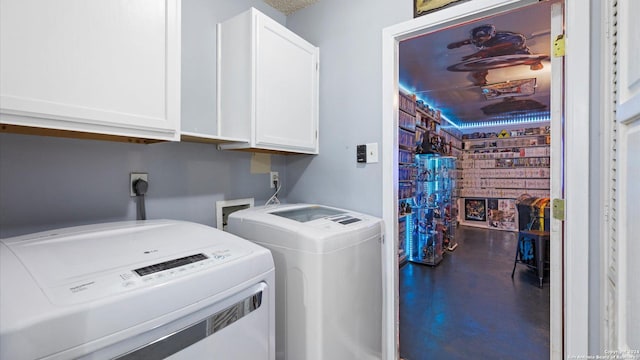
372	153
361	153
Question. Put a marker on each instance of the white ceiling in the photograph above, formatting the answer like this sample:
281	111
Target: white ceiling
288	7
424	61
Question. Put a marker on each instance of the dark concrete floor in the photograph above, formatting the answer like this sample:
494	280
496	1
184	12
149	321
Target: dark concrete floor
468	307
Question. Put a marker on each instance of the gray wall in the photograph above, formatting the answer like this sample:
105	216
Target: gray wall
50	182
349	34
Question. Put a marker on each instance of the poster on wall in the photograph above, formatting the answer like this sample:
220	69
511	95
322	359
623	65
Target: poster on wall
421	7
502	214
475	210
511	88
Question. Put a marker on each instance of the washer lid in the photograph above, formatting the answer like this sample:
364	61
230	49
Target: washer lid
89	262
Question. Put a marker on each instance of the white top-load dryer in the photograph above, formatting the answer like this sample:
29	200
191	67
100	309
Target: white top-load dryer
328	278
136	290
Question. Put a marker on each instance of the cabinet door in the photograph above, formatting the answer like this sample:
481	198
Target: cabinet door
97	66
286	89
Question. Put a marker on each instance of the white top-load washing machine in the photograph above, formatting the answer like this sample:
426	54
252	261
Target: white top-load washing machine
136	290
328	278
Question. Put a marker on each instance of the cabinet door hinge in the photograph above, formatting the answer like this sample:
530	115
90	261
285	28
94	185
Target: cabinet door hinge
316	134
557	206
558	46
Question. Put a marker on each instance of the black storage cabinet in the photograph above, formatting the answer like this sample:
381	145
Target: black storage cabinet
528	208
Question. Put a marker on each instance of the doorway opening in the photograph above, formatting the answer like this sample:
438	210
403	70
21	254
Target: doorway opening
562	319
474	119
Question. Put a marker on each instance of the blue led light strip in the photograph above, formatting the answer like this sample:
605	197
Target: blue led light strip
514	119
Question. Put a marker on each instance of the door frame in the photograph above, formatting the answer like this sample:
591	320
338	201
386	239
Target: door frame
569	299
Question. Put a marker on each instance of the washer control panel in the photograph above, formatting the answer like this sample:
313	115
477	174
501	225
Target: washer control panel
147	275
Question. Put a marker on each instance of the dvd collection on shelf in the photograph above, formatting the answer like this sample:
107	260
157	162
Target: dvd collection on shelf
499	168
487	171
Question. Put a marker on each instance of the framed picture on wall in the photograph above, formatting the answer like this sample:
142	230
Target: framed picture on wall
507	89
421	7
475	209
502	214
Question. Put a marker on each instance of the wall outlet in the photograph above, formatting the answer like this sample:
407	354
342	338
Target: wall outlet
135	176
372	153
273	178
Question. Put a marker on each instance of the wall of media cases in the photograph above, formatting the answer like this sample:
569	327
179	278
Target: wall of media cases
497	169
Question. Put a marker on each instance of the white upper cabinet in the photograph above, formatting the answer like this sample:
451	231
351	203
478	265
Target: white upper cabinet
267	85
100	66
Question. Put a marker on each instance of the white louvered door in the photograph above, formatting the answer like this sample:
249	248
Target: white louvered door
625	267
